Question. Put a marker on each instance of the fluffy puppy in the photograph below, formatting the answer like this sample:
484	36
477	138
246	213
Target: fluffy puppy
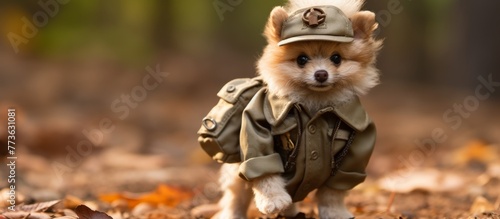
350	66
315	74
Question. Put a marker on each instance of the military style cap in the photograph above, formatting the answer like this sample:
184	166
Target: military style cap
317	23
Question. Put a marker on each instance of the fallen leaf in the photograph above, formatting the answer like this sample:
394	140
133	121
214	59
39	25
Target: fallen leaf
120	205
85	212
142	209
91	204
69	213
26	215
163	195
476	151
71	202
38	207
5	197
116	215
431	180
480	205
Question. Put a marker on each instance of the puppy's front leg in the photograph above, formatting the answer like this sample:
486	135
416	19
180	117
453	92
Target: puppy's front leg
237	194
270	194
331	204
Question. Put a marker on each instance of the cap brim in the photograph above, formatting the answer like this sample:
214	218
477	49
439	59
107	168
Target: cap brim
340	39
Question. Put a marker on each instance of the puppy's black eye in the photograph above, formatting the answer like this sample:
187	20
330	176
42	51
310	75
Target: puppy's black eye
302	60
336	59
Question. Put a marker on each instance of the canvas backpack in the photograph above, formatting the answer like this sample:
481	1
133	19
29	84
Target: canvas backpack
219	135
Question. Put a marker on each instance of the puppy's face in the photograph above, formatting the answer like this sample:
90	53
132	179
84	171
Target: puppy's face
320	70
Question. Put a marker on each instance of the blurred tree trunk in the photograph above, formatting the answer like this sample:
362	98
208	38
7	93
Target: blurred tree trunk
477	48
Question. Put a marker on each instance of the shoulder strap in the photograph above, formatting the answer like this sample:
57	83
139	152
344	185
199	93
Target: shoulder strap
234	89
290	162
337	158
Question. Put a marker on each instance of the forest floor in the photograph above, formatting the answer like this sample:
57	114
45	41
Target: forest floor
422	167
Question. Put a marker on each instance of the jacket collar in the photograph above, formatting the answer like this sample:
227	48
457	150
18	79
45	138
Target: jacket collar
352	113
276	109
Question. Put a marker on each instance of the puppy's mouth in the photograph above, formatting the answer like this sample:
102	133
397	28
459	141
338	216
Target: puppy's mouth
320	87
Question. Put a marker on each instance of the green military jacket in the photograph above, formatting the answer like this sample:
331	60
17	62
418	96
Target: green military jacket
267	116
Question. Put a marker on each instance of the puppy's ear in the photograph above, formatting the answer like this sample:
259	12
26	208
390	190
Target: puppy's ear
364	24
272	31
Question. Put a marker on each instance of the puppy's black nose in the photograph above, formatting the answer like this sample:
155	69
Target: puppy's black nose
321	76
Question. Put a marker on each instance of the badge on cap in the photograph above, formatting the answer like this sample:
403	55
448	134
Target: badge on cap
313	17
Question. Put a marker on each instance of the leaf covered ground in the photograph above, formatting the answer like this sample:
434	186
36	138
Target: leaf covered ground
173	178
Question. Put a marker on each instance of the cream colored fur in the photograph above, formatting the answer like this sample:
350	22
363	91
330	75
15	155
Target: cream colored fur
237	193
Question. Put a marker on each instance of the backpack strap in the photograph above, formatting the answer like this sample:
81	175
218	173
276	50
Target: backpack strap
291	160
234	89
337	158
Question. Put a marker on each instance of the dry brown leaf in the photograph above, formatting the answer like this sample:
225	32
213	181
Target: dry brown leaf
120	205
431	180
26	215
85	212
71	202
69	213
116	215
91	204
142	209
5	197
163	195
476	151
480	205
38	207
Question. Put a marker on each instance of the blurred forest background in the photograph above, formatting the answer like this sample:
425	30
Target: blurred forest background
87	54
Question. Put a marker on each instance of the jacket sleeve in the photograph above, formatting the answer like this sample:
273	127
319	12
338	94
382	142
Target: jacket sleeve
257	144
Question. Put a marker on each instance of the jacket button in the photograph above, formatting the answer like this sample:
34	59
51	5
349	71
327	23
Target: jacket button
231	89
314	155
312	129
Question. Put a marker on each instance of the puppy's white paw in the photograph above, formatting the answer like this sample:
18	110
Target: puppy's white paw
336	213
272	203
